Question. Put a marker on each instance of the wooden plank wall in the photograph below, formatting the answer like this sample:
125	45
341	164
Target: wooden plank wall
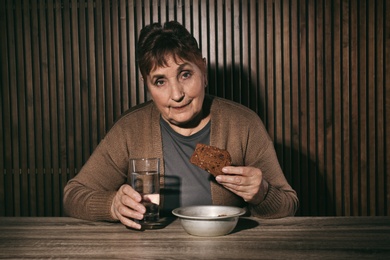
317	72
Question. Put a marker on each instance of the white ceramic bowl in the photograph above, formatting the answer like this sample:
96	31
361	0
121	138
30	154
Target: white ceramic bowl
210	220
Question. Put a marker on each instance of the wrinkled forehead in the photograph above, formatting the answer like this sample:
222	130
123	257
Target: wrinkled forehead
165	61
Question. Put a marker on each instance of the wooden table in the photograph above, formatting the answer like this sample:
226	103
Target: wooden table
288	238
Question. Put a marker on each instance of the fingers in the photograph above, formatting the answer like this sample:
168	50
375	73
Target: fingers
128	190
126	206
131	199
240	176
233	170
232	180
243	181
129	223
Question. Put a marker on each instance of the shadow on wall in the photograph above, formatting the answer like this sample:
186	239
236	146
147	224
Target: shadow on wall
301	171
309	182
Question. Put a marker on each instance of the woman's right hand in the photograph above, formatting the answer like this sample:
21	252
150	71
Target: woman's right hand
126	206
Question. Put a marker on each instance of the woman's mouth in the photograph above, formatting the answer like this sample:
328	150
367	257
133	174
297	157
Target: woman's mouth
181	107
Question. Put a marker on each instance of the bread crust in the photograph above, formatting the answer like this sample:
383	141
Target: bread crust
211	158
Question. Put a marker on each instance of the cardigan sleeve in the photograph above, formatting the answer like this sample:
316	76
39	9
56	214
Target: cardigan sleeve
90	193
281	199
248	142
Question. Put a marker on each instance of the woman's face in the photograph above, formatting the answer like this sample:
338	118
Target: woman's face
178	91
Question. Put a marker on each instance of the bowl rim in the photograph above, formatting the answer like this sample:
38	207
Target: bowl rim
177	213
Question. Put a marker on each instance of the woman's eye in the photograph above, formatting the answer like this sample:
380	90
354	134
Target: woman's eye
185	75
159	82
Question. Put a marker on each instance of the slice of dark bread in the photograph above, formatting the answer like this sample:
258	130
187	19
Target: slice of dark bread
210	158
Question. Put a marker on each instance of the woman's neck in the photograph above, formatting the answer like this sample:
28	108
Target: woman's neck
190	129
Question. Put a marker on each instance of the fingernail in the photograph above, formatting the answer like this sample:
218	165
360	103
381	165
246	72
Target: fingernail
138	226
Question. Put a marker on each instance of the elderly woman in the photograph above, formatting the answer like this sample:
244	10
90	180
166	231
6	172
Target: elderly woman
179	116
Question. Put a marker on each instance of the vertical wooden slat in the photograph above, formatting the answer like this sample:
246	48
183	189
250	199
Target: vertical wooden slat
147	12
44	69
6	145
37	116
244	59
236	36
330	44
84	82
219	49
370	179
303	92
261	31
124	66
140	87
132	62
171	10
278	76
203	32
316	103
310	101
100	69
320	98
21	200
93	76
362	120
353	107
77	83
211	50
269	80
53	104
60	86
115	55
163	11
188	18
346	113
253	56
386	117
155	11
337	107
68	89
68	112
19	99
32	189
195	18
317	164
285	151
229	65
295	110
179	11
3	83
109	84
311	112
379	29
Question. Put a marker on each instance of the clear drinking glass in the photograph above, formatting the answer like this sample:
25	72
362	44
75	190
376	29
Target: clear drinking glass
144	175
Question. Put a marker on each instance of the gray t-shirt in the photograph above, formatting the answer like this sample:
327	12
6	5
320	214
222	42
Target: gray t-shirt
185	183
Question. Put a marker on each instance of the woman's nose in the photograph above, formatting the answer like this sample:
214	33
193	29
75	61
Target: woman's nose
177	93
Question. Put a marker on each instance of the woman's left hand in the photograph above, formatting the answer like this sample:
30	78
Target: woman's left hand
247	182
